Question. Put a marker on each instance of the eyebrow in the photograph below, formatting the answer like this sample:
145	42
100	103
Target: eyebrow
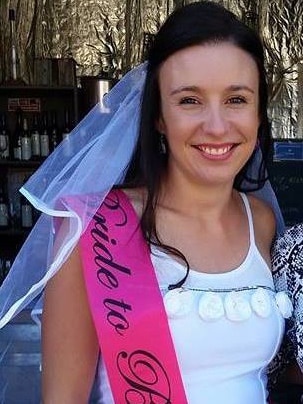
239	87
233	87
184	88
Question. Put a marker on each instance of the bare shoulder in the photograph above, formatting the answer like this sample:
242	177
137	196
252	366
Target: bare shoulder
137	197
263	216
264	224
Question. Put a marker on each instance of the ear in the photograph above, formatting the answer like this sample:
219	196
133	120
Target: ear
160	125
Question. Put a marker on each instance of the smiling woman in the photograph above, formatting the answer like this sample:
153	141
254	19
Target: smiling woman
157	274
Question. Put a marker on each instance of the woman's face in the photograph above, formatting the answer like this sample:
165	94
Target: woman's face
209	112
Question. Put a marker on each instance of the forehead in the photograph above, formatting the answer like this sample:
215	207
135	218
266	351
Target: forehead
215	65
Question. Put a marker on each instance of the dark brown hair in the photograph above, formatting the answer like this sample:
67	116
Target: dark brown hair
197	23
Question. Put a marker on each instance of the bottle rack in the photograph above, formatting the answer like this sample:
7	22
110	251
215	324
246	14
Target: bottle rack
14	172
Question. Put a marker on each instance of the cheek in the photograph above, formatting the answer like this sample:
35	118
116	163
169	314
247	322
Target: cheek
250	125
255	127
177	131
172	123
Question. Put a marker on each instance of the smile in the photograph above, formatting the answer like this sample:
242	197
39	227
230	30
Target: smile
215	150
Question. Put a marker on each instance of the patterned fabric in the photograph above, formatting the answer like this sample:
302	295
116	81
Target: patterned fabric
287	263
278	365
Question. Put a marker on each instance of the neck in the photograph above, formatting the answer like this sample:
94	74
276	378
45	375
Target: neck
196	199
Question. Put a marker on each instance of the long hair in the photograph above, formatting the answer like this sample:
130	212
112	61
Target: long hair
197	23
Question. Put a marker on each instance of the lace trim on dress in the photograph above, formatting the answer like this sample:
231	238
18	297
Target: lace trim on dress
235	304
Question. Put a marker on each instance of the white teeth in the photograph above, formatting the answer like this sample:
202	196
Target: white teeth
215	151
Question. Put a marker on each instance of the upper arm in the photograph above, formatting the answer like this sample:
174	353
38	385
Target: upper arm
69	342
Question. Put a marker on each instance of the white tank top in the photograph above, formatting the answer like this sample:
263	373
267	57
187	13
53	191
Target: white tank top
226	328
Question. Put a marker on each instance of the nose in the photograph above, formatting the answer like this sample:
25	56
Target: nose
215	122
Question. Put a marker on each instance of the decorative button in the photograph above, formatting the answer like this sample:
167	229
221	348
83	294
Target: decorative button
178	302
261	303
237	308
284	304
211	307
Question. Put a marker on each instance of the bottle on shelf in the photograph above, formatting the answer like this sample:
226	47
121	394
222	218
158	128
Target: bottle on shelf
44	136
67	126
26	211
54	131
4	215
16	146
13	77
2	269
12	23
26	214
5	266
26	144
66	134
35	138
4	138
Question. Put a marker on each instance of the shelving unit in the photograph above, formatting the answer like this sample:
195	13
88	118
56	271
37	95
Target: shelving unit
51	98
14	172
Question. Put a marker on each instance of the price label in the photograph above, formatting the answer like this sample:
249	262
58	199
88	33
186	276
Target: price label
25	104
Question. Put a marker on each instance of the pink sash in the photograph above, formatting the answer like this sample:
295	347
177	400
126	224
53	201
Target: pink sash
127	308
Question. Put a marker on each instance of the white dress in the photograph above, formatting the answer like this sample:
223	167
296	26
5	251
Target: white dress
226	328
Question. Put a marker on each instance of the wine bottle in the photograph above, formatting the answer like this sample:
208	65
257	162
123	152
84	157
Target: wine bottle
14	60
26	213
66	134
4	215
35	138
17	136
26	144
12	23
6	268
4	138
54	132
5	265
2	272
44	136
67	126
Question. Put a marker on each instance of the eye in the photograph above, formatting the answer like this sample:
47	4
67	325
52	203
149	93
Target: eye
188	100
236	100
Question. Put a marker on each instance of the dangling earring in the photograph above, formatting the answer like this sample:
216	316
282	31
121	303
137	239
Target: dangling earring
257	145
163	148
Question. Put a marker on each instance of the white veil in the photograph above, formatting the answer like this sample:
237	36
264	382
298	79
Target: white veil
85	165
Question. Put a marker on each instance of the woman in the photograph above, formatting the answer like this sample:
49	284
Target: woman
203	141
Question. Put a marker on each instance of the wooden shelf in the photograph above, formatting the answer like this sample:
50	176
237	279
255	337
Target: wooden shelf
20	163
36	88
18	232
